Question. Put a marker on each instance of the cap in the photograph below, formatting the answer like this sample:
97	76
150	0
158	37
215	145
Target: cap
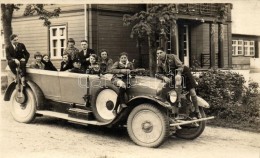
77	60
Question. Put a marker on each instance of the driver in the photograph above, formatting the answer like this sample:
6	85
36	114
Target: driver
169	63
121	68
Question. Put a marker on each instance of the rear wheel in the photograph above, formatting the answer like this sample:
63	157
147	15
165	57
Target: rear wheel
189	132
147	125
23	112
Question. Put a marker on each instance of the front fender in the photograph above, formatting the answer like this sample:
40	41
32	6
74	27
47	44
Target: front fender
148	99
202	103
39	96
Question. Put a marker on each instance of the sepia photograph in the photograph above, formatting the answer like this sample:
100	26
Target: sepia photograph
130	79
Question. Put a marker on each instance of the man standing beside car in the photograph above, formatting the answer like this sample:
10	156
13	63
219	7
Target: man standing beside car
17	56
84	54
169	63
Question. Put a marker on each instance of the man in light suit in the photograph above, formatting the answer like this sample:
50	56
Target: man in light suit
17	55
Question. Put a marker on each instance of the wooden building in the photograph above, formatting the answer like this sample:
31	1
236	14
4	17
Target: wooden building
200	39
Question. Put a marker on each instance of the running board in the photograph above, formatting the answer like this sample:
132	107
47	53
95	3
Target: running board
192	121
70	119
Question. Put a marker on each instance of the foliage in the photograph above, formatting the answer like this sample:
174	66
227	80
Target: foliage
30	9
228	97
38	9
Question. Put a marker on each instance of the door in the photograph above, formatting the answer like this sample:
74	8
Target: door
184	50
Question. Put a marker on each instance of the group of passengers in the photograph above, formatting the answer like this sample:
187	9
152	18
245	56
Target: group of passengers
86	61
73	60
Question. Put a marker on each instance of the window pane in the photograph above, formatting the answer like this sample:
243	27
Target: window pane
62	42
54	43
252	43
62	50
54	32
54	52
62	31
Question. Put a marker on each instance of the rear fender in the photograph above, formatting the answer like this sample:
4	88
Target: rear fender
39	96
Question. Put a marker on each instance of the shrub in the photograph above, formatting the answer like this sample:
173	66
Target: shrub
228	97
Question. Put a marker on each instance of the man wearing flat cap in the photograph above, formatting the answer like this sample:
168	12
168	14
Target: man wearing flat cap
71	49
77	66
17	56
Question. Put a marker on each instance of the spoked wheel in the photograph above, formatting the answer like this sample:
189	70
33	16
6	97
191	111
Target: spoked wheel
23	111
147	125
105	104
189	132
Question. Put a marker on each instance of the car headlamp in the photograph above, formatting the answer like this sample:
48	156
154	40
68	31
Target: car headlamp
172	96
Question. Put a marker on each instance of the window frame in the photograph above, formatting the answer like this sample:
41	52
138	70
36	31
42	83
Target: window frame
248	46
3	52
58	37
236	45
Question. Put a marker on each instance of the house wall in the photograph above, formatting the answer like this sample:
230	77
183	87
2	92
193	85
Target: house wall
241	61
110	33
200	42
35	36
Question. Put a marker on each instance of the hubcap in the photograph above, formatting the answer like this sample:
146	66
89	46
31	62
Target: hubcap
105	103
147	126
24	109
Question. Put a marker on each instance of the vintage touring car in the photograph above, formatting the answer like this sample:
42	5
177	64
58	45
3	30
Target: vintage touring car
151	112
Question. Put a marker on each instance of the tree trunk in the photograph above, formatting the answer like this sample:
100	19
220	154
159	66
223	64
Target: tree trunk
7	14
152	57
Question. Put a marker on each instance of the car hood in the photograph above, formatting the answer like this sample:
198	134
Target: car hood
143	85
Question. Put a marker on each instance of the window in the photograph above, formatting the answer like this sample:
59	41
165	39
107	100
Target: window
237	46
240	47
58	36
249	48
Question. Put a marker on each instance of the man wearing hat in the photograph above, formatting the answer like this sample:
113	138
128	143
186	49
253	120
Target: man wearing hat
85	53
77	66
71	49
17	56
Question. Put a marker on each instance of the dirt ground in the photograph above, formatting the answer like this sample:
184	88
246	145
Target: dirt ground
50	137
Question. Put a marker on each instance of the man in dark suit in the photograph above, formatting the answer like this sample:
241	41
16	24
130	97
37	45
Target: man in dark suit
84	54
169	63
17	55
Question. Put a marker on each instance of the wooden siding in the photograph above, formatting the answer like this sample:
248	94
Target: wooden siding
115	37
121	7
243	62
200	41
36	37
64	8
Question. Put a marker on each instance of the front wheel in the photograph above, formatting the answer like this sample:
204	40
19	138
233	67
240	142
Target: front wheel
23	112
147	125
188	132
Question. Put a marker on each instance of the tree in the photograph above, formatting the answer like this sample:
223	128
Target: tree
151	24
30	9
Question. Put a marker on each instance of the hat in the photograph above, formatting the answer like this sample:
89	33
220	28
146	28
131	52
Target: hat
71	40
76	60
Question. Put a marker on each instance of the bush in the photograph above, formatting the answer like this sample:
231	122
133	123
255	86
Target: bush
228	97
